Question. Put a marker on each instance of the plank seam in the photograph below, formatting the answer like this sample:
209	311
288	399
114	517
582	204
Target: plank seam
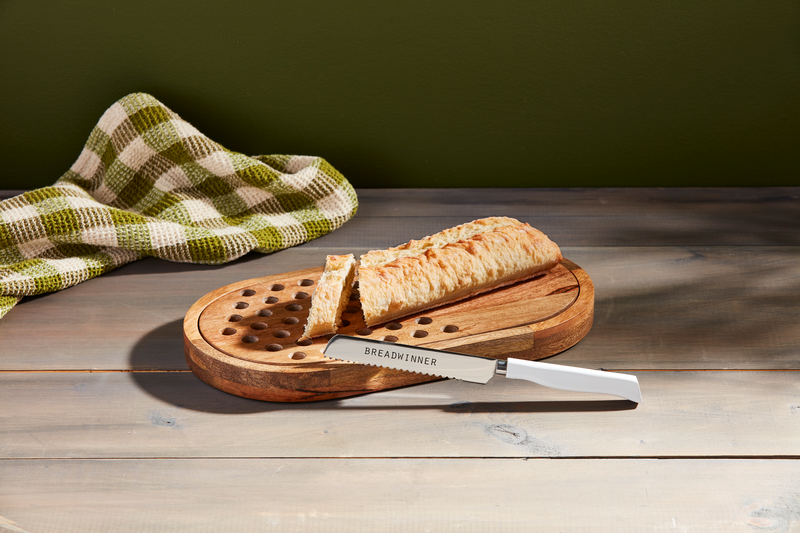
422	457
155	371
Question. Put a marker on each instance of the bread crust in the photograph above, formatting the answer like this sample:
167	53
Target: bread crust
454	264
330	296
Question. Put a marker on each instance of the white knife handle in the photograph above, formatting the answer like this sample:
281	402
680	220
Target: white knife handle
575	379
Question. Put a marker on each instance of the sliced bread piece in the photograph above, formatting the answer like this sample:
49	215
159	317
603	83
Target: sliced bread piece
330	296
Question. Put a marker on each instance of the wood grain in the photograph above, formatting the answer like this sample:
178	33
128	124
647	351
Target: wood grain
685	279
244	338
683	414
697	228
607	202
656	307
204	496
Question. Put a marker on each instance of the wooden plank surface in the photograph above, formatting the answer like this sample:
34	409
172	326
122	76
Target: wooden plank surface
655	308
414	495
587	217
169	414
104	429
609	202
698	228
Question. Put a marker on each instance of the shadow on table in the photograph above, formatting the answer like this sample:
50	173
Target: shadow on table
159	369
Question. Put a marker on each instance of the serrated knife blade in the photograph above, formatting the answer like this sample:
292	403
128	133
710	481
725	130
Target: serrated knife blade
477	369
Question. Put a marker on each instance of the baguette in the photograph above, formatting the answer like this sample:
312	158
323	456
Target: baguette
451	265
330	297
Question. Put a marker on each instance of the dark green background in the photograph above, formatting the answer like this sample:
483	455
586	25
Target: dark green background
424	94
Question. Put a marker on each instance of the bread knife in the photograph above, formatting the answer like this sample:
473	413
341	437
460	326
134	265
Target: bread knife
477	369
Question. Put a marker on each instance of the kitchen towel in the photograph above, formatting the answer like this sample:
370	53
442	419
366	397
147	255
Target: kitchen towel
148	183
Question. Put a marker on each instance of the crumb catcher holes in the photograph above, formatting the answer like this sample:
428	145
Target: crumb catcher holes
290	320
234	318
419	334
305	342
249	339
274	348
258	325
248	292
228	331
300	295
389	338
276	287
271	300
241	305
294	307
297	356
450	329
424	320
305	282
264	312
364	331
394	326
281	334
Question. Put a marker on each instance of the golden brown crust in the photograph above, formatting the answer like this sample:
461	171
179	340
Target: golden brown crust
454	264
330	296
463	232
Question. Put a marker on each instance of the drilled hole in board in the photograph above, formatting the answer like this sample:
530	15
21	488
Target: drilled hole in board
248	292
271	300
450	329
276	287
297	355
264	312
281	333
419	334
355	285
274	347
300	295
294	307
355	295
290	320
234	318
389	338
258	325
345	323
241	305
394	326
423	320
228	331
351	309
305	282
305	342
364	331
249	339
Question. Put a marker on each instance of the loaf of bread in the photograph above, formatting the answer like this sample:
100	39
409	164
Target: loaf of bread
331	295
452	265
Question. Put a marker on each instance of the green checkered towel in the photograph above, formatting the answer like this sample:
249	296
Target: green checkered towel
149	184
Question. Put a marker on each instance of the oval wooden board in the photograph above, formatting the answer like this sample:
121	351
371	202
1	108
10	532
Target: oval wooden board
243	338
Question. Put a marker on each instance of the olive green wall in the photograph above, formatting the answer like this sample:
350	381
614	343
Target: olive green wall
424	93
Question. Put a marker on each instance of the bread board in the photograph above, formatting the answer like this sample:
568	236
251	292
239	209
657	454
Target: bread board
243	338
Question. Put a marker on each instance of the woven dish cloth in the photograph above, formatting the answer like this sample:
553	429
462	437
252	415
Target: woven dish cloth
147	183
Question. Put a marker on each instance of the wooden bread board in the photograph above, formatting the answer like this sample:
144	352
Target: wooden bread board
243	338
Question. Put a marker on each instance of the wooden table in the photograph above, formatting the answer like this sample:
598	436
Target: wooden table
698	294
